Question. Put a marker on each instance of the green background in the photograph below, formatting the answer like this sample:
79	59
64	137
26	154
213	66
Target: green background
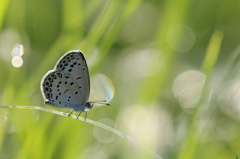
128	41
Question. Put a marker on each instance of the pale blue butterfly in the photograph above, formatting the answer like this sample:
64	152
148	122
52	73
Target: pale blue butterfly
68	84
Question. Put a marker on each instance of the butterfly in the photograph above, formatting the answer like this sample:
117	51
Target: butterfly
68	84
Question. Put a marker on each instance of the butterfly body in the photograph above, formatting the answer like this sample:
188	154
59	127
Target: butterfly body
68	85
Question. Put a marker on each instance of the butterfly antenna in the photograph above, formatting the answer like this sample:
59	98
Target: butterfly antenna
100	102
104	103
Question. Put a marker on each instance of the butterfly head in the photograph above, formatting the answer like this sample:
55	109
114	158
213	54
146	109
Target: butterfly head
88	106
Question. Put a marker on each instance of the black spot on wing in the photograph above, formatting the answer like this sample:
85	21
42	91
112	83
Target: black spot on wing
66	91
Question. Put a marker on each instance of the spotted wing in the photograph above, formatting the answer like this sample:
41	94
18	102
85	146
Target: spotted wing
74	63
60	90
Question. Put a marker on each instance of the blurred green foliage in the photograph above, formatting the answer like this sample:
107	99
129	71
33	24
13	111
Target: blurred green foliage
142	46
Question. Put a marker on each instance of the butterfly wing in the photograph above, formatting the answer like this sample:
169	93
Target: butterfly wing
60	90
74	64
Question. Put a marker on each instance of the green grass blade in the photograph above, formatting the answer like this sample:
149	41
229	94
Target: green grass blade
212	52
3	8
117	132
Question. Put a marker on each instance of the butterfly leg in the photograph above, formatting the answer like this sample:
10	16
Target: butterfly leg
79	115
85	117
72	111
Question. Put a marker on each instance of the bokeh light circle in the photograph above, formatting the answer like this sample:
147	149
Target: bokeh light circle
181	38
17	61
229	100
102	135
102	88
135	116
146	125
18	50
187	88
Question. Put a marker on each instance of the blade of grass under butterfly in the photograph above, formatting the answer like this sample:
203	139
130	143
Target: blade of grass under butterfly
117	132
